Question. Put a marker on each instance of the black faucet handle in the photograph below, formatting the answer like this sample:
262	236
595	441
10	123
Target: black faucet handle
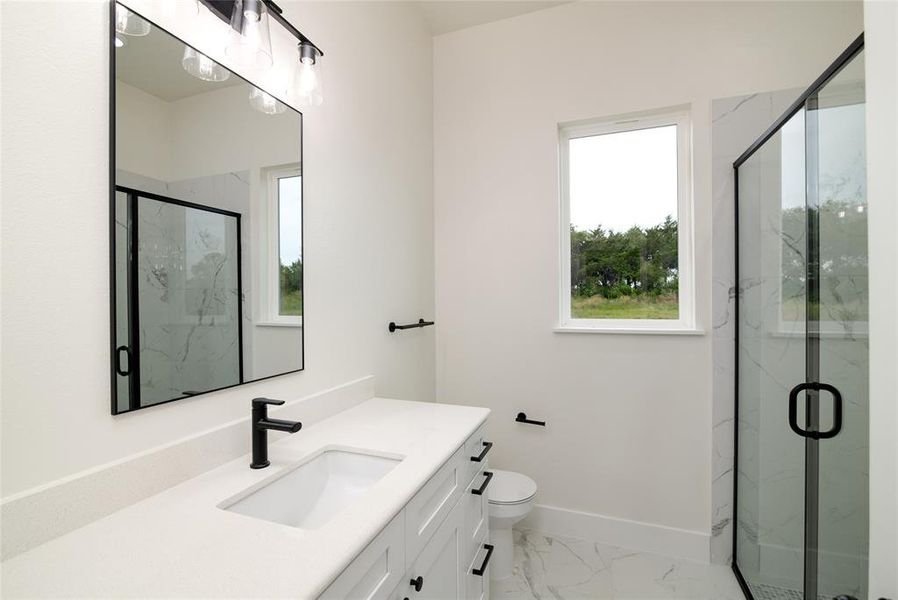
258	402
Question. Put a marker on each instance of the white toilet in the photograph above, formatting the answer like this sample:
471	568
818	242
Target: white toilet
511	496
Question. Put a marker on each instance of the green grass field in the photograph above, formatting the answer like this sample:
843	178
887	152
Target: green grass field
625	307
291	303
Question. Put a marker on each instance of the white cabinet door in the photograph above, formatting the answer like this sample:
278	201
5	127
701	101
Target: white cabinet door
438	572
376	571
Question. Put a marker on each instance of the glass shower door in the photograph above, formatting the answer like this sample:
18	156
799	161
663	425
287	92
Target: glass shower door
837	333
772	267
188	299
802	388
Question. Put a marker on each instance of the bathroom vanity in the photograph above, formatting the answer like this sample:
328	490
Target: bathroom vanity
385	500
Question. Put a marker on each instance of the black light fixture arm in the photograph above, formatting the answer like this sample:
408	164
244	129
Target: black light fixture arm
277	14
223	9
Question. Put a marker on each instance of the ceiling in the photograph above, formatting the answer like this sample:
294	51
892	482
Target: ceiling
444	16
152	63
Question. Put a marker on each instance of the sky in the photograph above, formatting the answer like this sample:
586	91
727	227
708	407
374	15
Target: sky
618	180
290	219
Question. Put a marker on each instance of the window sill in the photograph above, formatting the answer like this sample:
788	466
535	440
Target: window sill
276	324
628	330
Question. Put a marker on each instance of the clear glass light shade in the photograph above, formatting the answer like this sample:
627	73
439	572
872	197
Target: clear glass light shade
265	103
128	23
249	41
202	67
120	40
307	85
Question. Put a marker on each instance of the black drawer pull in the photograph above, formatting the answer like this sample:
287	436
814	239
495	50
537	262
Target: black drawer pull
118	361
479	491
417	583
522	418
482	455
486	560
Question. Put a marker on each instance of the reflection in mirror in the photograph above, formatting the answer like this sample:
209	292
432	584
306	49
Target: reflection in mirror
207	259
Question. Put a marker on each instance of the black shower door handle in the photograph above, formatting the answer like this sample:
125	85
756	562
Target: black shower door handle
837	411
118	361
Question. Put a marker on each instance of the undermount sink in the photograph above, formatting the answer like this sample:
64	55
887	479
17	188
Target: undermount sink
314	492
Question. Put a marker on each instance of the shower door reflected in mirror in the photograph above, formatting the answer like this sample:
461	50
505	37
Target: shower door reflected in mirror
206	219
185	305
802	383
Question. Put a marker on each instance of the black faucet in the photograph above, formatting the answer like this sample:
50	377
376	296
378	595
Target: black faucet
261	424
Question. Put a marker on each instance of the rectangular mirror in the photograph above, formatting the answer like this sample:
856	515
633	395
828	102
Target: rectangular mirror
206	223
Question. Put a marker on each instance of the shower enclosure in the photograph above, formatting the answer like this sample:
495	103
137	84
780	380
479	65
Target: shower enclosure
178	300
801	498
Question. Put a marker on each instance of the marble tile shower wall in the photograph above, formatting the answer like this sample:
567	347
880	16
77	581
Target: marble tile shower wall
737	122
189	338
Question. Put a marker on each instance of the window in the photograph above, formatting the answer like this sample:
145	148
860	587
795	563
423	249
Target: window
626	216
285	268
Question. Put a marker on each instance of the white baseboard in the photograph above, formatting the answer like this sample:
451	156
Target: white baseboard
38	515
669	541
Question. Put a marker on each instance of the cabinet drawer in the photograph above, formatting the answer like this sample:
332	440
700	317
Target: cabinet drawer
376	571
475	447
477	514
432	504
477	587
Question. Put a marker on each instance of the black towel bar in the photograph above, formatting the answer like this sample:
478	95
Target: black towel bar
421	323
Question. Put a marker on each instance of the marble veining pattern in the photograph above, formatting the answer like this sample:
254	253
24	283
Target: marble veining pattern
561	568
736	122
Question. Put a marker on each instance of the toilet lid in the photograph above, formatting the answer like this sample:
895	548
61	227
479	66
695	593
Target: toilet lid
508	487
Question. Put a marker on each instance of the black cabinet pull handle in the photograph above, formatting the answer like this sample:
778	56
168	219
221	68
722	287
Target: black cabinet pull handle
837	411
482	455
486	560
417	583
488	476
118	361
522	418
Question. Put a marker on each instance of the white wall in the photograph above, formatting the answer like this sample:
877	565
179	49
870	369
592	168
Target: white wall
146	120
881	49
630	417
368	240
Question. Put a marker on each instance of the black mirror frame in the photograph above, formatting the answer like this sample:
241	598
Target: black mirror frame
114	349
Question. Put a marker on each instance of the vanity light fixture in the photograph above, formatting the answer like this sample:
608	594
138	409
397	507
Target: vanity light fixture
265	103
249	45
202	67
127	23
249	41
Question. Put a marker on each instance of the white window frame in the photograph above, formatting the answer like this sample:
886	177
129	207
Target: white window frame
271	266
685	324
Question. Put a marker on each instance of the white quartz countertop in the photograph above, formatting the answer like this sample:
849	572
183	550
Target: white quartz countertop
180	544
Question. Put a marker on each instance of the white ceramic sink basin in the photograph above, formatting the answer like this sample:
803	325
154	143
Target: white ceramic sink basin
314	492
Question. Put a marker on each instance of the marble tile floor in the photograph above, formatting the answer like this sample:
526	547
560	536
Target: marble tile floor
561	568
